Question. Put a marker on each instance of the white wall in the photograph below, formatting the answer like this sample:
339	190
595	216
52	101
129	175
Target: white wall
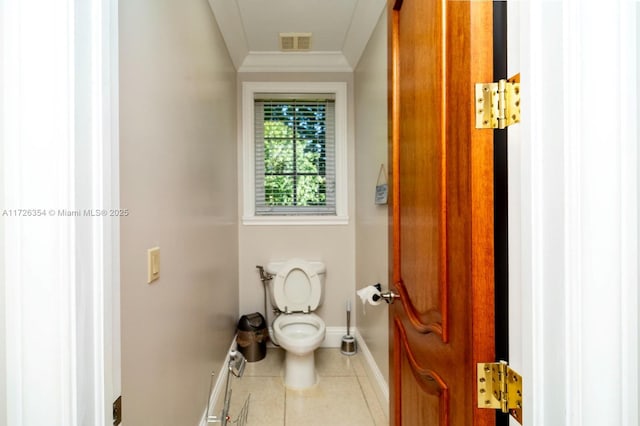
3	337
370	80
332	244
178	180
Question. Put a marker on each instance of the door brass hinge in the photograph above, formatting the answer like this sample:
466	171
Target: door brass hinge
499	387
498	104
117	411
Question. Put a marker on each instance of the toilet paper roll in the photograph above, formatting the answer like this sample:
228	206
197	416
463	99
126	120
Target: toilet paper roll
367	295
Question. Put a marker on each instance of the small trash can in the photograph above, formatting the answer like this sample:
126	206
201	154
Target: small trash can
252	336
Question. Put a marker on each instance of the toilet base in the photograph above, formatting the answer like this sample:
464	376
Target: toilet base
299	370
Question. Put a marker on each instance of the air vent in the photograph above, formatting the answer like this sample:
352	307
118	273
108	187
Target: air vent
295	41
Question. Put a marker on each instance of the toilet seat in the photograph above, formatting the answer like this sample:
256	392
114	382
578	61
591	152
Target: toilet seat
297	287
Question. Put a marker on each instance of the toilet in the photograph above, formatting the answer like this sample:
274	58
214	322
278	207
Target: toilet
296	291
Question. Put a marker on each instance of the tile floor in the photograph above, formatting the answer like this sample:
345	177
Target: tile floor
343	395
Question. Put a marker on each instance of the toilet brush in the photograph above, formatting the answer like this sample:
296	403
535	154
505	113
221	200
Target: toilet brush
348	346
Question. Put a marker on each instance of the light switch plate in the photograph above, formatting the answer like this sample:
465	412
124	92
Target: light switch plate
153	264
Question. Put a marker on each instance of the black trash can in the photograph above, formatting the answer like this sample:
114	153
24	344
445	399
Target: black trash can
252	336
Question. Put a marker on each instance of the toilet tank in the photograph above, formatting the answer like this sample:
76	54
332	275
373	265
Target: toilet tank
274	267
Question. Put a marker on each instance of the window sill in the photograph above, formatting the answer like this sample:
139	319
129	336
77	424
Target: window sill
295	220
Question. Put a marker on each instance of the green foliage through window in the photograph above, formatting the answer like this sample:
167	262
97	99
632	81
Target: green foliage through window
295	157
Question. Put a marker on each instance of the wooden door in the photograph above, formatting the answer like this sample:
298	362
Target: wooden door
441	212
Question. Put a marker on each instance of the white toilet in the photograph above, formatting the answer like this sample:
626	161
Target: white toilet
297	290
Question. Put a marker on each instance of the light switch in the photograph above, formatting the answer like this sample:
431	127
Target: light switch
153	264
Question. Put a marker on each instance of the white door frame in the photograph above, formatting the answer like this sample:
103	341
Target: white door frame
59	290
573	211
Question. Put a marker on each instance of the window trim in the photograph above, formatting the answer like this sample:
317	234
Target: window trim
339	90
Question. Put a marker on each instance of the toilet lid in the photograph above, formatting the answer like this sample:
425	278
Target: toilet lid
297	287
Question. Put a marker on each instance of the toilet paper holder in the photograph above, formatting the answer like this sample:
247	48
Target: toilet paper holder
388	296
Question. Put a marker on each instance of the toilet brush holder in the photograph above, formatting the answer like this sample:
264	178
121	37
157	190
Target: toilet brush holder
348	346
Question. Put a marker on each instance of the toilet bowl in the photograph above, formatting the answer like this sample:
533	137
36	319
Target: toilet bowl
299	335
296	291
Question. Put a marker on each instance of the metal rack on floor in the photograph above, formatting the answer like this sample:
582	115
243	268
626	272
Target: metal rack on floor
236	366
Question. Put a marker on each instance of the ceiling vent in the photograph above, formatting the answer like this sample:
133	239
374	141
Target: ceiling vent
295	41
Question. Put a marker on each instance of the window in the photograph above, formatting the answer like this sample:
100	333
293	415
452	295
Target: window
294	155
295	148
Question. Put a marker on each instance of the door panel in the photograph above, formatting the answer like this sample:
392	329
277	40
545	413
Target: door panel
441	211
421	175
425	394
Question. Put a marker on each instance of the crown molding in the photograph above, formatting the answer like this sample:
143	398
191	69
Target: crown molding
365	19
229	21
295	62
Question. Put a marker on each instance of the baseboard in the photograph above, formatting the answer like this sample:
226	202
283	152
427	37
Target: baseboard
219	386
380	385
333	337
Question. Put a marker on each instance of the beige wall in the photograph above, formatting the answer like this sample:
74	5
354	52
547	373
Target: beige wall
178	180
371	219
334	245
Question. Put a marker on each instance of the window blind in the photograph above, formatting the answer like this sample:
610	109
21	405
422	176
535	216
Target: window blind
295	156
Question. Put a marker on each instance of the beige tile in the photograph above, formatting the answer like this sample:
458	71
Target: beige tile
333	401
270	366
266	403
330	362
372	401
343	396
359	364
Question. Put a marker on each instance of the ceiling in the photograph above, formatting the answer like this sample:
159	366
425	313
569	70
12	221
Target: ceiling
340	31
